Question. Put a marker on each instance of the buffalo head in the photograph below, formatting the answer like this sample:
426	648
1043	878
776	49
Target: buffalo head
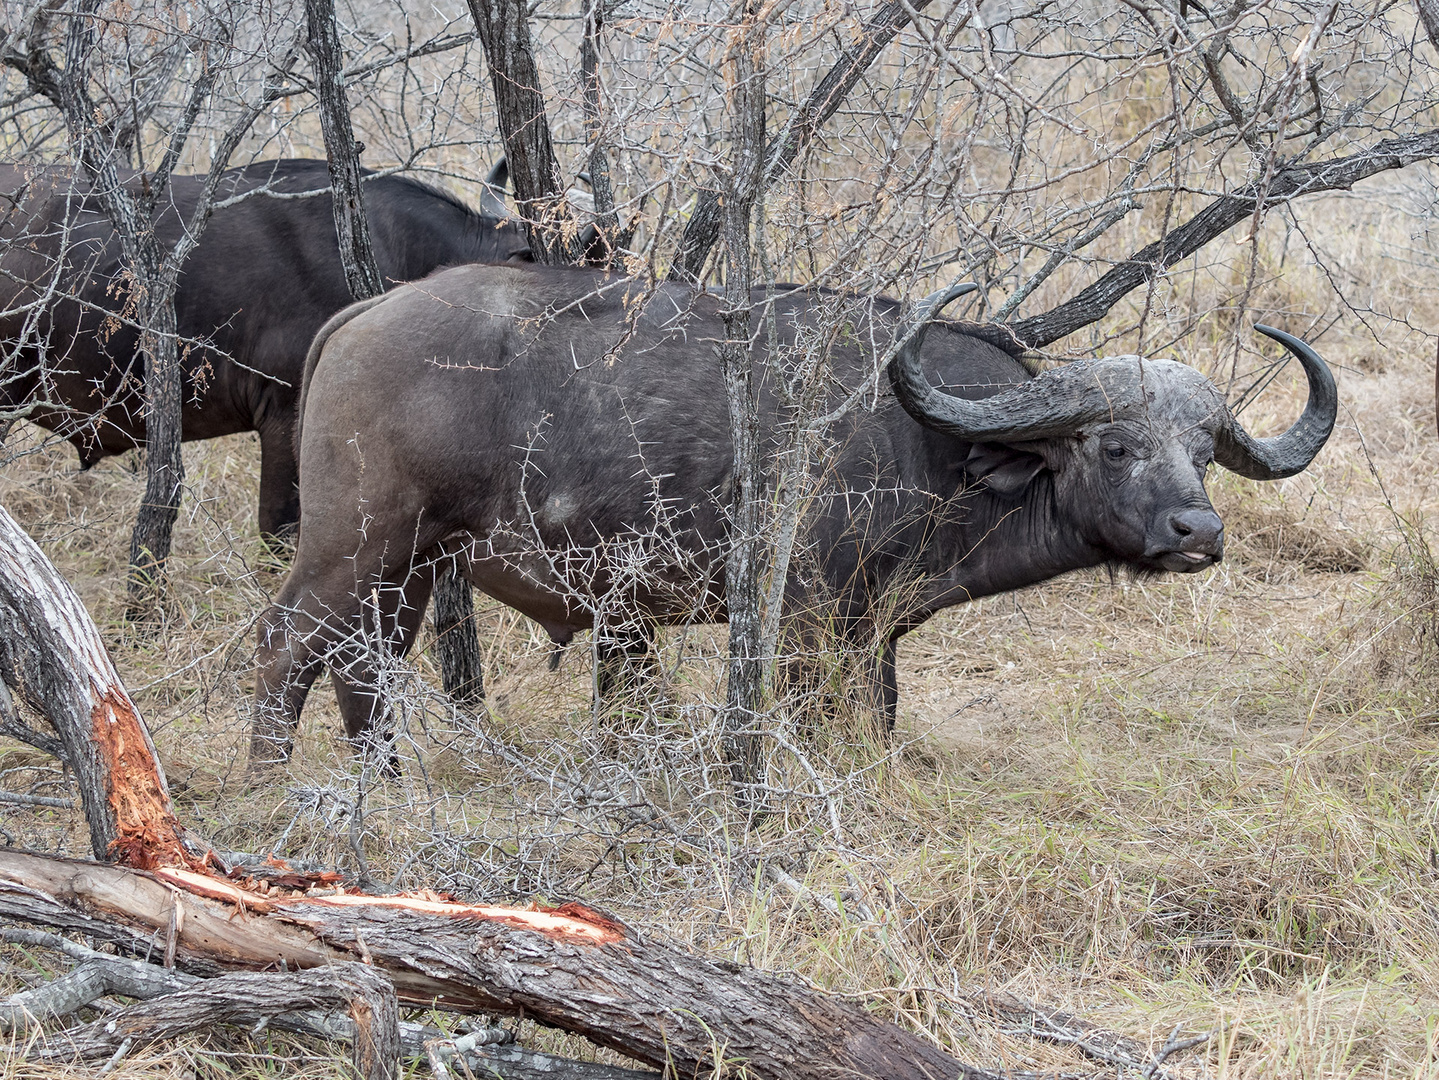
1125	442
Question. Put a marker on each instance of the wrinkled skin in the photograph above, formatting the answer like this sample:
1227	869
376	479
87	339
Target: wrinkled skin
264	277
451	411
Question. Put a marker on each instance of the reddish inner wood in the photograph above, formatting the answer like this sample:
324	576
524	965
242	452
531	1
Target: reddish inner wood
569	922
150	838
147	832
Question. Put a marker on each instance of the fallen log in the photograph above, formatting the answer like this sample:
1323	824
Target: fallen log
568	967
484	1051
249	998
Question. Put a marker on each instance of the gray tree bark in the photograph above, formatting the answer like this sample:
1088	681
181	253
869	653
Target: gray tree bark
485	1051
357	255
249	998
745	690
1288	182
504	30
53	658
606	221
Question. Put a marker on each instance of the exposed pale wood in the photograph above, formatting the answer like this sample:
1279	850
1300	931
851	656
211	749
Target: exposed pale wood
53	658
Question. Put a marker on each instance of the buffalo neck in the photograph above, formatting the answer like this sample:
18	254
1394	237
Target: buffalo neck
987	544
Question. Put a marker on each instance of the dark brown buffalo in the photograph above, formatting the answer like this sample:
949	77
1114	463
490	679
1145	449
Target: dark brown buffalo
264	277
573	432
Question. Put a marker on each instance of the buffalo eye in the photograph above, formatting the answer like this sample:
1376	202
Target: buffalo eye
1114	452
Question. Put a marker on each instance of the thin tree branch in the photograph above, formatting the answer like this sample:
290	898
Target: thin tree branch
1288	182
703	228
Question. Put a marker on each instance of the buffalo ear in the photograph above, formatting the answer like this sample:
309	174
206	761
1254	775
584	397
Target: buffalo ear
1002	468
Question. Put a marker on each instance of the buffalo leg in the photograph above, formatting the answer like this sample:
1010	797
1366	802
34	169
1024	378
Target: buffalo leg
289	662
886	683
880	686
357	682
330	610
626	660
279	486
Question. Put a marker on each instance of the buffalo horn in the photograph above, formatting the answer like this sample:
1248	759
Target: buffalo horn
1059	402
1284	455
492	191
1052	405
589	245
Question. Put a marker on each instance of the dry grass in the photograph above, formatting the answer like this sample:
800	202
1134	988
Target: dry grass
1207	801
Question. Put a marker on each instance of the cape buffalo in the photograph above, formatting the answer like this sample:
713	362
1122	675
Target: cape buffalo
567	424
264	277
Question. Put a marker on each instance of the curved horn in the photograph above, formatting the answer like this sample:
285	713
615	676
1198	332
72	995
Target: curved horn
1284	455
1052	404
590	238
492	191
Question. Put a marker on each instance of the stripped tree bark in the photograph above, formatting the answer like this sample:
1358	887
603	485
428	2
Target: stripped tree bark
454	606
569	967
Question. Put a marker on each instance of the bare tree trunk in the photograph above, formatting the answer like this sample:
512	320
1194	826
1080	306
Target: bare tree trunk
362	272
457	639
55	661
504	30
275	999
461	666
745	691
164	395
164	460
606	220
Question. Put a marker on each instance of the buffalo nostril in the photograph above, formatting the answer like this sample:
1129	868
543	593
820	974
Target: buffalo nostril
1197	527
